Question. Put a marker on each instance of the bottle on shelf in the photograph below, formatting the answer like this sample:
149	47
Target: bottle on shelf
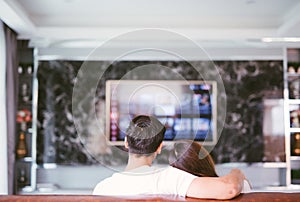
25	92
294	89
24	116
22	179
291	69
20	69
29	70
296	145
21	148
295	118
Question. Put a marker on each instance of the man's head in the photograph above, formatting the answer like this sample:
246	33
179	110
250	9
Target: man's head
144	135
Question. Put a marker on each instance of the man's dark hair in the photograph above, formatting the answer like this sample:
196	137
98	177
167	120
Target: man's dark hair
144	135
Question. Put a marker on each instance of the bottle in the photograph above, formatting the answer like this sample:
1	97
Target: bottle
296	148
25	92
291	69
20	69
22	179
29	70
21	148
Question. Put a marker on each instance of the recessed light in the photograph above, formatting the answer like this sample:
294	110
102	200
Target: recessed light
280	39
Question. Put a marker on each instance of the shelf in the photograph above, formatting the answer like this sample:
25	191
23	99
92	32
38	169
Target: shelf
25	159
294	101
49	166
294	130
295	158
293	74
274	165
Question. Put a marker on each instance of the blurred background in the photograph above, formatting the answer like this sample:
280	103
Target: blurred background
51	139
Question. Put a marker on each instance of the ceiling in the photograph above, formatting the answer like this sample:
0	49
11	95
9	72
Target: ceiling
223	22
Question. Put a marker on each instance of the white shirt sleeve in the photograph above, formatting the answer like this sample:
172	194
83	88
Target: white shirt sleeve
175	181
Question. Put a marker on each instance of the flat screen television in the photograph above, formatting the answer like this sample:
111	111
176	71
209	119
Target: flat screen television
187	108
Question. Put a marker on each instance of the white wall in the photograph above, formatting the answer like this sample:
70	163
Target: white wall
187	53
3	133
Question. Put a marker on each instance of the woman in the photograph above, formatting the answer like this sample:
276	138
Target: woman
191	157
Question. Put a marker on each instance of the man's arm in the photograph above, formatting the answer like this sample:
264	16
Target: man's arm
225	187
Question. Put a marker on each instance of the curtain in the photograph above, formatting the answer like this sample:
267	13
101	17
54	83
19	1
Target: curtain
3	129
11	100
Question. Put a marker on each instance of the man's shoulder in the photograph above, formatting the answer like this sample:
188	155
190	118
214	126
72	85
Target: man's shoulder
106	185
140	174
156	180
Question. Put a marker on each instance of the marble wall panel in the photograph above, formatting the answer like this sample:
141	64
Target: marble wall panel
247	84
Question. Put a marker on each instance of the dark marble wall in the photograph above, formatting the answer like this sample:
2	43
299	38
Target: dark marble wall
247	84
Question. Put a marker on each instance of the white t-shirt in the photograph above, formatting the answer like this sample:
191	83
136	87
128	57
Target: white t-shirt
247	187
146	180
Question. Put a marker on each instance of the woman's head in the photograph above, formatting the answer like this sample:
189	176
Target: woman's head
191	157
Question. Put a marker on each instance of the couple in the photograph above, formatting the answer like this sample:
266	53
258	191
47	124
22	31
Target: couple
144	138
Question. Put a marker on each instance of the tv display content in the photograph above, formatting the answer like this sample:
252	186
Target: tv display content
186	107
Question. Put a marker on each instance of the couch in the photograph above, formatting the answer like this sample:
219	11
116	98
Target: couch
251	197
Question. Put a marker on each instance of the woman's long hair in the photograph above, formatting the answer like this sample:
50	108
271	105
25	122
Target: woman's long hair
193	158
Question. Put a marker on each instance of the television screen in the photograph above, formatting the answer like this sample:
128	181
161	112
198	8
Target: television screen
186	108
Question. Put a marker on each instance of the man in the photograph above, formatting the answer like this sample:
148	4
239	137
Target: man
143	140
